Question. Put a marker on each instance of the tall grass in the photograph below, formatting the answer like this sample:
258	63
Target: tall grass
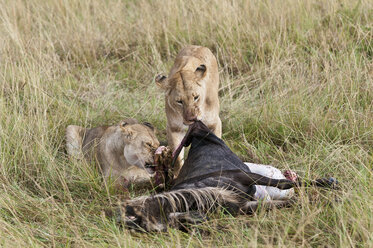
296	91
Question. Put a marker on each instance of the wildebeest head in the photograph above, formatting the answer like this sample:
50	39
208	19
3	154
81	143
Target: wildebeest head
175	208
144	214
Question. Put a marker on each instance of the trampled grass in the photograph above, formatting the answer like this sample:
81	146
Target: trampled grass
296	91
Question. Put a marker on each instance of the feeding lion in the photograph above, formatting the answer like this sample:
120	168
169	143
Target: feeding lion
125	152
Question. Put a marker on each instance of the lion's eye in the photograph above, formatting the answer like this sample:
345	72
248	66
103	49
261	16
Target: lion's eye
149	145
179	102
196	98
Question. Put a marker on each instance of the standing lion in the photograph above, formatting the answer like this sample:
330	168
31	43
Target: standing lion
191	93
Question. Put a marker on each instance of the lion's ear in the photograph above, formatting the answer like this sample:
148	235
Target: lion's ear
200	70
126	129
123	123
161	81
148	125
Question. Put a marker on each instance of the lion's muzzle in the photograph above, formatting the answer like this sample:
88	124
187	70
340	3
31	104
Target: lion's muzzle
190	116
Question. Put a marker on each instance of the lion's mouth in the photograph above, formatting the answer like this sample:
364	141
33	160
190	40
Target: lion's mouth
190	121
150	168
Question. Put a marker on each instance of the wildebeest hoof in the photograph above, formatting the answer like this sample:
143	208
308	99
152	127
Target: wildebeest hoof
330	182
334	184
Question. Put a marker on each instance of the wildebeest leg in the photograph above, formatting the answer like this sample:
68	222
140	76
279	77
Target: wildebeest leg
248	179
181	220
250	207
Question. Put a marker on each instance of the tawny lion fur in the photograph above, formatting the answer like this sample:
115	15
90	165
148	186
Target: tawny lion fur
125	152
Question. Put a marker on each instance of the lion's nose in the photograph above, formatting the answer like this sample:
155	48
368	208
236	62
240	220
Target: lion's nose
190	120
190	116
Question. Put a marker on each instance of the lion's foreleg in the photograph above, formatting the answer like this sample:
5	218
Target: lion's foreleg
174	140
218	128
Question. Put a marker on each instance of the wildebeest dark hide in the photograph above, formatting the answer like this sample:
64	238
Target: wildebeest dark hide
210	163
207	155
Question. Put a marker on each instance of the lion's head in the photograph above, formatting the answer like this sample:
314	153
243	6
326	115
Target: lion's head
137	142
185	88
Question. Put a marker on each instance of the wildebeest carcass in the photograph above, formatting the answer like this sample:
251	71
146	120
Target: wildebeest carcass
212	177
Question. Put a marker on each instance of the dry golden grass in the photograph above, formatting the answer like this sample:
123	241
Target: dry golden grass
296	91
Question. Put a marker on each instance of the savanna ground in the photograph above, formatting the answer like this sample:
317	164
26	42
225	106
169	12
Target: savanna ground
296	91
